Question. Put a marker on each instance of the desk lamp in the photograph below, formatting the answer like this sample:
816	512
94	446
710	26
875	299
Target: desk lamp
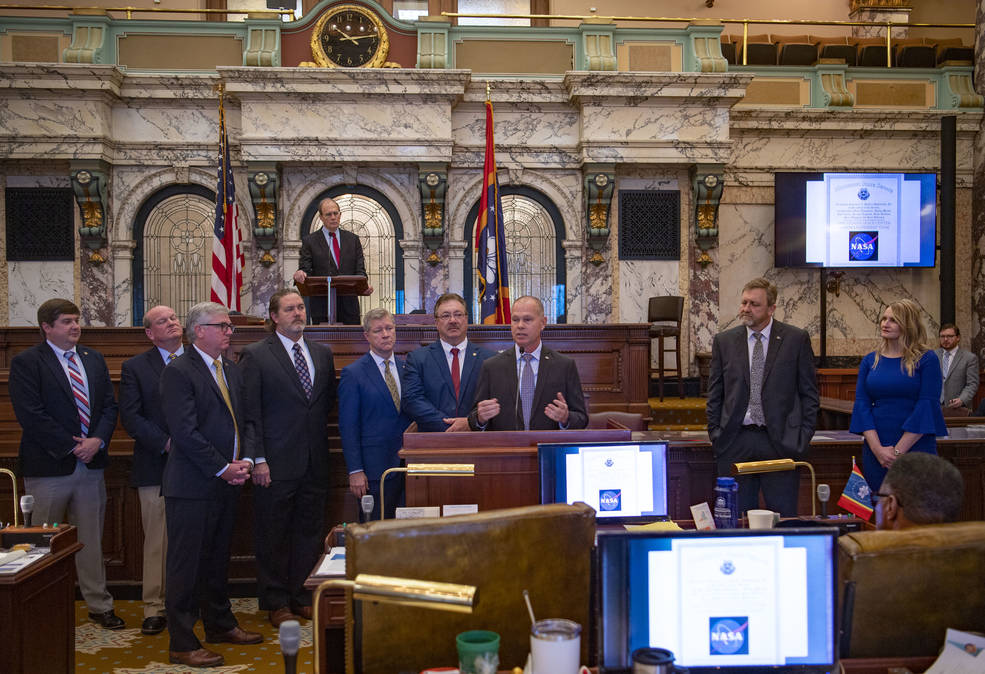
13	480
389	590
776	466
427	470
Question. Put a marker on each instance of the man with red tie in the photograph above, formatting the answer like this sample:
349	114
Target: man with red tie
332	252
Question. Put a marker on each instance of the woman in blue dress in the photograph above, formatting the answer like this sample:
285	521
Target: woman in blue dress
897	396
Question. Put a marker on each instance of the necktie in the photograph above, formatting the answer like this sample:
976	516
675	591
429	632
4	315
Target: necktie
224	390
78	390
172	356
456	376
336	249
301	365
756	382
945	366
527	389
391	384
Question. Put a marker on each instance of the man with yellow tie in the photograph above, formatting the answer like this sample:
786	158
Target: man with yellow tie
201	393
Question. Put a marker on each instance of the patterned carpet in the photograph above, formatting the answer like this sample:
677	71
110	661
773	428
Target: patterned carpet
127	651
678	414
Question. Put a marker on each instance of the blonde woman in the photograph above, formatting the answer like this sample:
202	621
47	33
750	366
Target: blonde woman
897	397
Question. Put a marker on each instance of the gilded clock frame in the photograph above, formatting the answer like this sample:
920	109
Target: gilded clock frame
318	52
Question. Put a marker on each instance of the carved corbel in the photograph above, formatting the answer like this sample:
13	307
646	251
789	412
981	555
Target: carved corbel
89	185
600	185
599	43
707	183
433	183
263	182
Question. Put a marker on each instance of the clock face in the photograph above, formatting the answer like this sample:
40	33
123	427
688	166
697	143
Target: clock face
349	36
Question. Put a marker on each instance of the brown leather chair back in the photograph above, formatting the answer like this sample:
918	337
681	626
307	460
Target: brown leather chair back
909	587
545	549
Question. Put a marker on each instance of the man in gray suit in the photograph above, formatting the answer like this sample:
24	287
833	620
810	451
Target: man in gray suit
762	398
959	368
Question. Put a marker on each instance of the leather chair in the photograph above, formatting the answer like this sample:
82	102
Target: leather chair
545	549
668	311
729	48
628	421
914	52
953	49
839	48
872	52
903	589
797	50
760	50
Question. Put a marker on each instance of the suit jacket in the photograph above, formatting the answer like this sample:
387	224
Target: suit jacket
790	398
282	425
45	408
498	379
316	260
429	395
371	428
202	430
143	416
962	376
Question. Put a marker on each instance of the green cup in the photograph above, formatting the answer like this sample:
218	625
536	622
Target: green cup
478	652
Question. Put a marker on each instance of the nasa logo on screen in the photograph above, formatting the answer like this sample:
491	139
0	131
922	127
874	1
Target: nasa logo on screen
863	194
610	500
863	246
728	636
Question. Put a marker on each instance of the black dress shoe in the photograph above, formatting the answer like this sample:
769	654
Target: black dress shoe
154	624
108	620
236	635
202	657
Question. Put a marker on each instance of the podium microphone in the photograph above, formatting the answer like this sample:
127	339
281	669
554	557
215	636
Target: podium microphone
27	506
366	503
823	494
290	639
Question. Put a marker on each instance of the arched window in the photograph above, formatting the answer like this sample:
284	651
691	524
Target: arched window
535	258
172	261
372	217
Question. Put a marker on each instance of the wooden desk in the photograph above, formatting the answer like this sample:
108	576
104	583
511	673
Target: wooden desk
37	606
887	665
331	613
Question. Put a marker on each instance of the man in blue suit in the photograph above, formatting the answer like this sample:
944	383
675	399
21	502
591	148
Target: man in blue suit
371	421
439	379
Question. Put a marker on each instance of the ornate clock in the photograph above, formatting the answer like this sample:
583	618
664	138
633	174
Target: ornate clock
349	36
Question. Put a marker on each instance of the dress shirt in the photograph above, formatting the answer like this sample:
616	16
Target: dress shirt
165	354
751	344
210	363
60	353
381	366
289	347
534	362
461	354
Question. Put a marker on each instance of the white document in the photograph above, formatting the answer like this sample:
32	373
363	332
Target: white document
333	564
21	561
459	509
619	475
964	653
416	513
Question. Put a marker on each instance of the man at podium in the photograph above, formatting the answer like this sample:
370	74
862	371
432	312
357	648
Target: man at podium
332	252
529	387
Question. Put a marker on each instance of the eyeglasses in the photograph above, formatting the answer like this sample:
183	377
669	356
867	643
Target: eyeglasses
880	496
458	315
225	327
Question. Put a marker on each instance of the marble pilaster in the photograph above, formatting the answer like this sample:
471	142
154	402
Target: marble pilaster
977	341
32	283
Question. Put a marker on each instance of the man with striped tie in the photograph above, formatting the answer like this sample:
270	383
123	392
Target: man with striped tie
63	400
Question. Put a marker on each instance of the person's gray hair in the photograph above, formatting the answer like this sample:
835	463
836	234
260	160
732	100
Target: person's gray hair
929	489
375	315
199	314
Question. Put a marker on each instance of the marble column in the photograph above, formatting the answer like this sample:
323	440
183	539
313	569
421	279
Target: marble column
977	342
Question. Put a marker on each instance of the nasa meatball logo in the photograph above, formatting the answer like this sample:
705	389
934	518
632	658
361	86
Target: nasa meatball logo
863	246
863	194
610	500
728	635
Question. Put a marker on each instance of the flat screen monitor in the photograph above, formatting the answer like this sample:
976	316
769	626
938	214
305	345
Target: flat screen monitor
625	482
855	220
727	600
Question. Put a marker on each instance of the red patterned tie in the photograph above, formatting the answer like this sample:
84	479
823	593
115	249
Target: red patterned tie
78	391
456	376
337	250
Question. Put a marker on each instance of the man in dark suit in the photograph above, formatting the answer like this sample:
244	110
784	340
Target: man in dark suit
371	421
290	391
332	252
201	393
440	379
959	368
63	400
529	387
762	398
143	417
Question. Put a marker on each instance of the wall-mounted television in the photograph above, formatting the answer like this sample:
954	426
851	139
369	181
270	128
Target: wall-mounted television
855	220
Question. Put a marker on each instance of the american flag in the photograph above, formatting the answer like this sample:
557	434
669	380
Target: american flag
490	240
227	254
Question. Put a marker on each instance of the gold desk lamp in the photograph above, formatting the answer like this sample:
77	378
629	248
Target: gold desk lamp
389	590
13	481
777	466
427	470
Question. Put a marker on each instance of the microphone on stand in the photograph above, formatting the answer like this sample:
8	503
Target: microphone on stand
367	504
517	411
823	494
290	639
27	507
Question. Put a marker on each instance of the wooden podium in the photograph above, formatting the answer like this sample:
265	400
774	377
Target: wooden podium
37	604
506	470
330	287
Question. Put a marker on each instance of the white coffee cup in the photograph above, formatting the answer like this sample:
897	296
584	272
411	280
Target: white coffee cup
555	647
760	519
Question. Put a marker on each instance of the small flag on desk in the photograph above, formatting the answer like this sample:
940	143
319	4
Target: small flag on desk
857	497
